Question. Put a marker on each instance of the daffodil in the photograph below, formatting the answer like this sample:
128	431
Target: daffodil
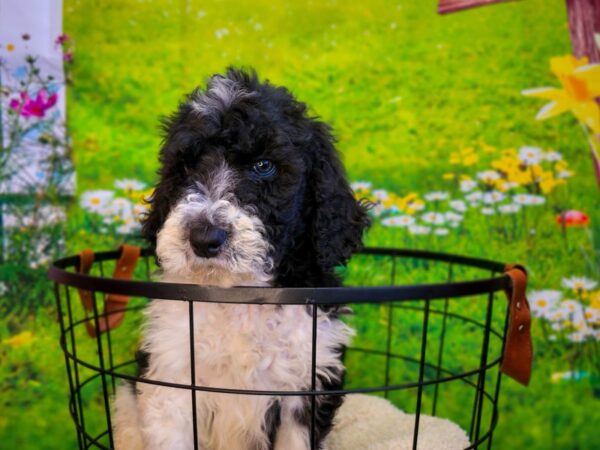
580	87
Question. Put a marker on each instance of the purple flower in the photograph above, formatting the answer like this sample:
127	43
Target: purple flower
68	57
62	38
34	107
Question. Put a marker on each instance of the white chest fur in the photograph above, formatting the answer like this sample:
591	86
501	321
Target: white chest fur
258	347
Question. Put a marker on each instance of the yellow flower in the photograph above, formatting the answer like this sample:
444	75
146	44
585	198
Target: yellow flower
10	47
466	157
580	86
595	299
24	338
449	176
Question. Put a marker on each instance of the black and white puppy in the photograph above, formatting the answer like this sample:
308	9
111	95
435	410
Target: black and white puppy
252	193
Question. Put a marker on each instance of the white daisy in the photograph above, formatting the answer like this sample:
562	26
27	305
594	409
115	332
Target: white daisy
139	210
434	218
577	336
129	185
510	208
564	174
579	283
441	231
122	206
508	185
573	309
488	211
458	205
377	210
417	206
528	199
543	302
361	186
530	155
436	196
467	185
489	198
3	288
419	229
488	176
474	197
128	227
398	221
381	194
552	156
95	201
454	217
558	316
592	315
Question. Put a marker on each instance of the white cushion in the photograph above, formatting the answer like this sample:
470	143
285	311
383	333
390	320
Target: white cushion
366	422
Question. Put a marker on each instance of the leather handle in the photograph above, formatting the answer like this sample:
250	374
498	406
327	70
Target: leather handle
518	348
114	304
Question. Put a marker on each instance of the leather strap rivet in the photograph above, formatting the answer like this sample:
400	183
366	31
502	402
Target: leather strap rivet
521	327
518	305
124	269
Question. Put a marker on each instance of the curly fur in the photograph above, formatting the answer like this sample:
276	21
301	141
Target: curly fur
289	229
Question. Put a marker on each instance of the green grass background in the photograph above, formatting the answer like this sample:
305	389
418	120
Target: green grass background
402	88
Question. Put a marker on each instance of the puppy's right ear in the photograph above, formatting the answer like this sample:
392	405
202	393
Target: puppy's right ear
180	140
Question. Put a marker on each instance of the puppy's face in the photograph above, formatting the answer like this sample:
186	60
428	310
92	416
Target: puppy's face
249	184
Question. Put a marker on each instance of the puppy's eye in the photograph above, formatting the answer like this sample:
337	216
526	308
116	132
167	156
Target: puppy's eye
264	168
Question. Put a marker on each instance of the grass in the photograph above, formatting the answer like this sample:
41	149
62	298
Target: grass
402	87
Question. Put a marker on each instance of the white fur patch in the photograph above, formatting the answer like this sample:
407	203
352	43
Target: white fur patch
262	347
221	93
243	260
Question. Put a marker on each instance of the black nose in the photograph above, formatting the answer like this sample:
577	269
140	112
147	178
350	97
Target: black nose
207	241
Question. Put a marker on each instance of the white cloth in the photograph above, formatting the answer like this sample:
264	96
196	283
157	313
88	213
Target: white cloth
366	422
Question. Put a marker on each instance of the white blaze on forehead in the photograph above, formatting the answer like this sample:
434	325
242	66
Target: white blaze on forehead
221	93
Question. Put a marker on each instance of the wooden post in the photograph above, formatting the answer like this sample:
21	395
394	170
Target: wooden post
449	6
584	23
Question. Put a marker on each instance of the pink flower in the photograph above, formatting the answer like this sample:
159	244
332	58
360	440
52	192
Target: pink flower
62	38
572	217
34	108
68	57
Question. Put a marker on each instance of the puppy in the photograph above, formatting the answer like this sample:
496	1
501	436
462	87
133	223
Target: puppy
251	193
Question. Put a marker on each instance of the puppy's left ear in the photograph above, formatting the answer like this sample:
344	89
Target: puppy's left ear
338	219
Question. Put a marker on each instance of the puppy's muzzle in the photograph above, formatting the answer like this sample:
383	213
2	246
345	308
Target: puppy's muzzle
207	241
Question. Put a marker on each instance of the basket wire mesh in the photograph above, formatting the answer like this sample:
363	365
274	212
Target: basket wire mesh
430	333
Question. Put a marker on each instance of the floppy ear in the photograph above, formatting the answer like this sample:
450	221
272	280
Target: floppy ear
175	155
337	220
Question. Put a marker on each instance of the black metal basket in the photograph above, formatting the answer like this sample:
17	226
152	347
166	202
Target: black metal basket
430	335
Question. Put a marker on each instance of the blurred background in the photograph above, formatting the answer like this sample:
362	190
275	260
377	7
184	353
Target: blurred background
439	119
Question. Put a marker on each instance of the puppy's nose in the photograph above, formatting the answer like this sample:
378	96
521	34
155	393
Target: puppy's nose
207	241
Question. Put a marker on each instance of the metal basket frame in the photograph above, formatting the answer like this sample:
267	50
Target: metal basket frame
393	296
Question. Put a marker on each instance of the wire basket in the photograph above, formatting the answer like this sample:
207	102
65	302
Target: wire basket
430	334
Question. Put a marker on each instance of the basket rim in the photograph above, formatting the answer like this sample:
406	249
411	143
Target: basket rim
288	295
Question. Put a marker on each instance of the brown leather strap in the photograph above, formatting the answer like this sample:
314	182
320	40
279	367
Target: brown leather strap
86	259
114	305
518	348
